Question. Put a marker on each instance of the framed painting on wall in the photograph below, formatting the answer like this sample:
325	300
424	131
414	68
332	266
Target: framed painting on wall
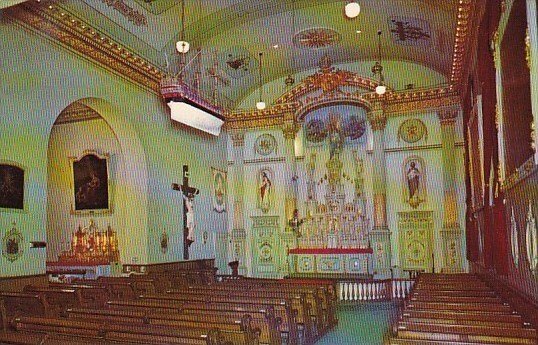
219	190
90	184
11	187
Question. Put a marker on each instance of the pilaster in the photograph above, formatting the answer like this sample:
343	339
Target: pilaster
380	235
238	236
289	130
451	232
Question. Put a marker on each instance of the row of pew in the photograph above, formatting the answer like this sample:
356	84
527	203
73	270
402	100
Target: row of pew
145	310
458	309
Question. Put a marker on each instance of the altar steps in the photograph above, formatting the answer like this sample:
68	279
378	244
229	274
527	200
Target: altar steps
458	309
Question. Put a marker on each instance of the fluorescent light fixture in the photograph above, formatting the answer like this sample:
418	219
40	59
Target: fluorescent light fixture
193	116
352	9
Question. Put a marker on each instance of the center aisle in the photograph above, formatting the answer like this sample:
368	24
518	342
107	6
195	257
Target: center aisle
363	324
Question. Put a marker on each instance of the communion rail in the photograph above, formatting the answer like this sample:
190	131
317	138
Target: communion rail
374	290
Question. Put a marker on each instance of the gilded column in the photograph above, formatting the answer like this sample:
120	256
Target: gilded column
289	129
451	232
380	234
238	234
531	54
288	238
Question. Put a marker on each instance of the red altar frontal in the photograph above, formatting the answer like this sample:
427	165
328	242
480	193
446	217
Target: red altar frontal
90	254
329	261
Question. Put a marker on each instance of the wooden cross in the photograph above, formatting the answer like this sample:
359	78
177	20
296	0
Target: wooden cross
188	194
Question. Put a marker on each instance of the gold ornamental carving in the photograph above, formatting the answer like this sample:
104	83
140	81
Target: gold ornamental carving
447	116
377	117
70	31
528	57
290	129
238	138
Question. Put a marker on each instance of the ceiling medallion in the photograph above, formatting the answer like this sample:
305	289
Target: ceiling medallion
316	38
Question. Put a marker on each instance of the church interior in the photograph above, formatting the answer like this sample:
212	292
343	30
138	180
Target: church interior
269	172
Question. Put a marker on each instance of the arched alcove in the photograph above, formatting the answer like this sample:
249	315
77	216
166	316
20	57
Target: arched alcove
94	126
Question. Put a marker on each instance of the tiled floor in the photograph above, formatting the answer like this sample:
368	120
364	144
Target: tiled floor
363	324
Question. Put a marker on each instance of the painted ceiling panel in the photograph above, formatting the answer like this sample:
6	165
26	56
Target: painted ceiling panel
231	33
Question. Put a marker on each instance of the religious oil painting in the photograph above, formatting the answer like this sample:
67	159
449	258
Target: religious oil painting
414	181
11	187
91	183
265	190
219	190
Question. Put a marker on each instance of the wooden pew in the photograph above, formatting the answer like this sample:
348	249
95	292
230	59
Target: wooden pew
478	334
91	295
320	305
310	319
327	291
284	307
33	338
148	334
231	329
116	289
58	300
23	304
284	313
141	285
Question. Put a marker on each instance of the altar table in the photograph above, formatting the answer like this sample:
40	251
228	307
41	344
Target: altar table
329	261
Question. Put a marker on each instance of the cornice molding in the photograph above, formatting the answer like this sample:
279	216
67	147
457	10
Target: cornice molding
52	21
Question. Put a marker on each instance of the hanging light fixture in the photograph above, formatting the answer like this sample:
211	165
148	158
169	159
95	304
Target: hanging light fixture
352	9
260	105
182	46
377	69
290	79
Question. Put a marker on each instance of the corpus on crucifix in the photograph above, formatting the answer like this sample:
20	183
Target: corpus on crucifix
188	193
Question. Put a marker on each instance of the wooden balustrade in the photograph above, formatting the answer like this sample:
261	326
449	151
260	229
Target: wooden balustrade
374	290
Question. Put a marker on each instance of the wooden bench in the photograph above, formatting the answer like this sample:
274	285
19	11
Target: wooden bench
140	284
23	304
116	289
293	315
312	319
479	334
286	316
58	299
91	295
256	329
149	334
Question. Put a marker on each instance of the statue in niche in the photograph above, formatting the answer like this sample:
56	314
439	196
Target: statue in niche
336	137
414	177
265	190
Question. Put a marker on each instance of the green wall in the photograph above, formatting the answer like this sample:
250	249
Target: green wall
39	80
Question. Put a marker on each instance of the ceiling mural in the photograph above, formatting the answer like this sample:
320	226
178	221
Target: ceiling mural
292	34
410	31
158	6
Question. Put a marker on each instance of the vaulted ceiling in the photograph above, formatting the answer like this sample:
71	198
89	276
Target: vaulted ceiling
419	39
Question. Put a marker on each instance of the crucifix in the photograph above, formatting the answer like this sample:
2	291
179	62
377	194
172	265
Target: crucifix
187	193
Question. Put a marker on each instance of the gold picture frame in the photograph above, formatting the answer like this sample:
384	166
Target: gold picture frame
91	191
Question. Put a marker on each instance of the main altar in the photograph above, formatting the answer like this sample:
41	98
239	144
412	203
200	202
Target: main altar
333	237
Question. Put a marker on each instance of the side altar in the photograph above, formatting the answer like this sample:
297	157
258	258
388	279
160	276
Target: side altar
92	252
332	240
